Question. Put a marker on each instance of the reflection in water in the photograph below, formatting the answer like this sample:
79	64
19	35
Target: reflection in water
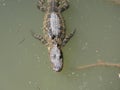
116	1
2	2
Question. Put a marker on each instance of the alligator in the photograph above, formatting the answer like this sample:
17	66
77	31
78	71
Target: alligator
54	30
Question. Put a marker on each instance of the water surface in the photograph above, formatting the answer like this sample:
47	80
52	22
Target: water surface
24	62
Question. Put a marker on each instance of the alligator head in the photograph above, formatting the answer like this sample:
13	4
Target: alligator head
56	58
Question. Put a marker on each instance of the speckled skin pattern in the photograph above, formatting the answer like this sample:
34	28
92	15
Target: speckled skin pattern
54	30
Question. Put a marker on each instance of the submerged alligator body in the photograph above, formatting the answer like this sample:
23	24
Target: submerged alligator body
54	30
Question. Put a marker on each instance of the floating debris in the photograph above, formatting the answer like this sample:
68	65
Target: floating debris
73	73
99	63
119	75
21	41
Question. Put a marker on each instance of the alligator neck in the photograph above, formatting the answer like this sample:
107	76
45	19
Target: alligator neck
52	6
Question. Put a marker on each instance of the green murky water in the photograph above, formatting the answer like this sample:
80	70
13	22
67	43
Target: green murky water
24	63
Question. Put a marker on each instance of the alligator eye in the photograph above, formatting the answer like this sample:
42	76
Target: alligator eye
54	56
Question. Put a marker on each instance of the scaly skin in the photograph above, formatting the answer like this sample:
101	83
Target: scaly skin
54	30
